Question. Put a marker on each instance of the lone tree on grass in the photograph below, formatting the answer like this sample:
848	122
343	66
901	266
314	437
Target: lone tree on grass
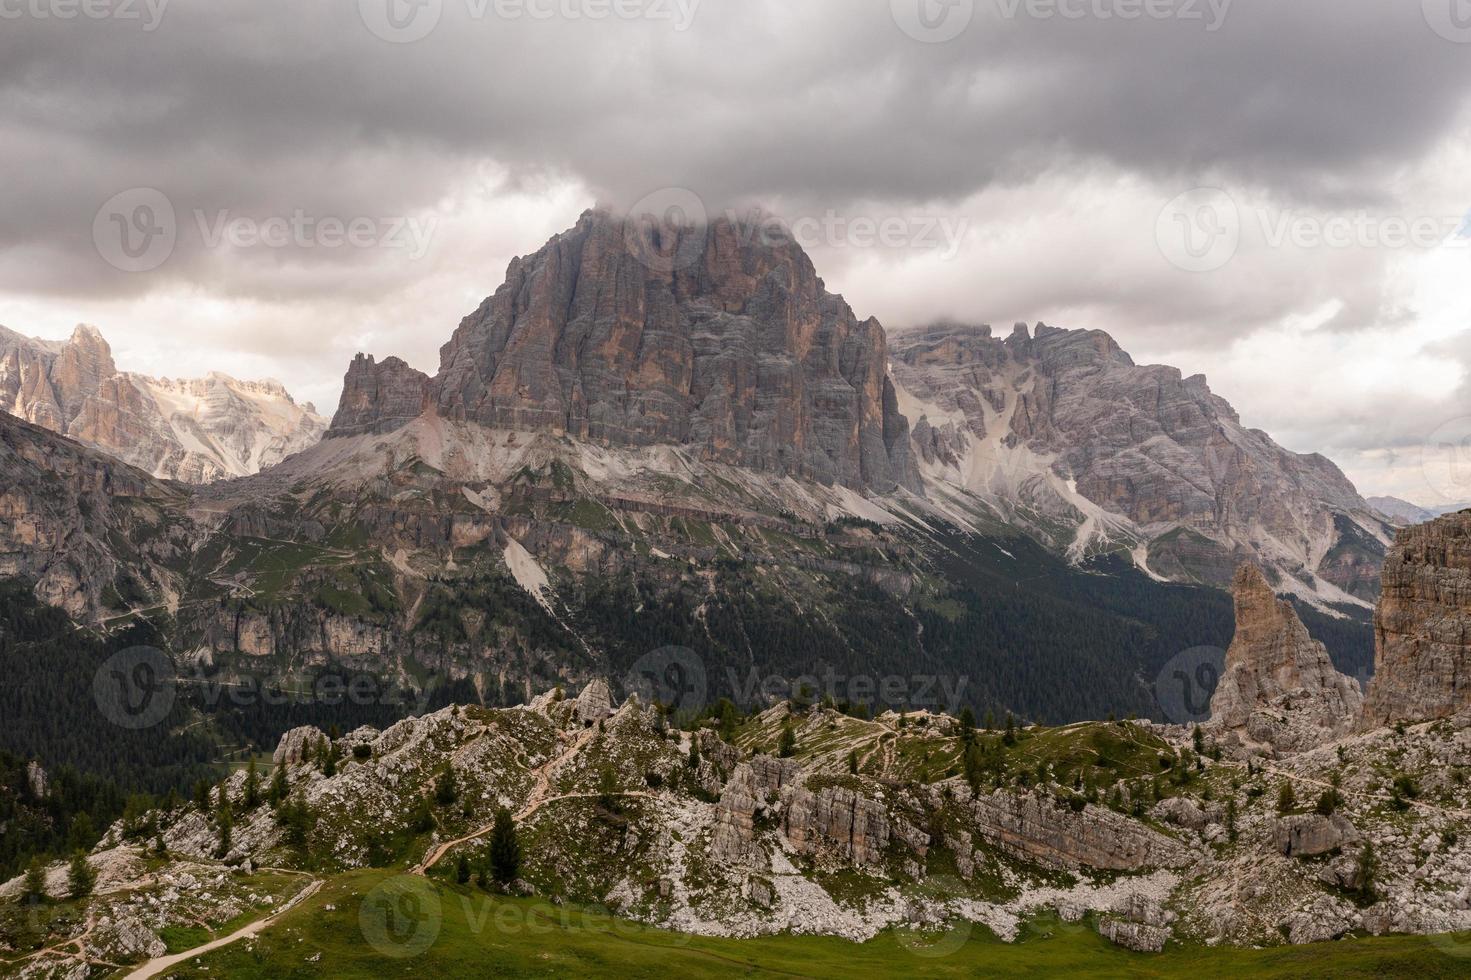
505	849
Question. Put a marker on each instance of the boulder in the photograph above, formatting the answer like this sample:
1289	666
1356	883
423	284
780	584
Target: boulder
1312	834
295	744
1133	935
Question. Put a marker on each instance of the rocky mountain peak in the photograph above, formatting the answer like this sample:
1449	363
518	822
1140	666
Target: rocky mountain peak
720	338
1422	628
1279	689
195	430
379	397
1060	428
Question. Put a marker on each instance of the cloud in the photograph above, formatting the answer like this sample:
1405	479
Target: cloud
1053	140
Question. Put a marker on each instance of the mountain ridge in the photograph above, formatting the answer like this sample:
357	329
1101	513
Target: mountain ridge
734	351
196	430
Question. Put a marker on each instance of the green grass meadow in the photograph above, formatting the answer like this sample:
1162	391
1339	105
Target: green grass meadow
373	924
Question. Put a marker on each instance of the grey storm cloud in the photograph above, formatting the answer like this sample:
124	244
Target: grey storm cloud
267	107
262	106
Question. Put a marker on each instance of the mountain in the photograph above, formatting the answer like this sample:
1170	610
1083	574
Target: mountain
1063	434
620	455
805	818
1280	691
735	351
1402	512
91	533
195	431
1422	628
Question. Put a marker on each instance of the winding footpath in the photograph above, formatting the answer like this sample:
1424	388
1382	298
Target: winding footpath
158	965
540	796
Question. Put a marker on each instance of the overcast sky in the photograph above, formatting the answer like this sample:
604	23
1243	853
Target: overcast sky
1024	159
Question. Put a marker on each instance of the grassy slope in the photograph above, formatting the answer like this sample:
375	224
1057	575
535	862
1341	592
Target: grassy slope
483	936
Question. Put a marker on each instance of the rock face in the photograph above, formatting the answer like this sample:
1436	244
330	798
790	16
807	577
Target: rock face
1311	835
1422	629
197	431
834	818
36	780
1279	687
594	703
735	351
1139	924
379	397
1038	829
296	744
1065	425
91	532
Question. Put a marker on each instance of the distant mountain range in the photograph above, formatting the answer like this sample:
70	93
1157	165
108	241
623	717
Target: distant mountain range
618	454
196	430
1402	512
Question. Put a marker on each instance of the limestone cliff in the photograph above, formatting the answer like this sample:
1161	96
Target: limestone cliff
1279	688
739	353
89	531
194	430
1061	432
1422	630
379	397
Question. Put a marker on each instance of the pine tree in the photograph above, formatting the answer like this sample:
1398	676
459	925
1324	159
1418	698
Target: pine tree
423	816
1286	798
201	795
82	835
694	756
1368	868
505	849
462	870
445	792
279	786
252	786
329	760
80	878
787	746
226	821
33	887
970	762
608	792
853	762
